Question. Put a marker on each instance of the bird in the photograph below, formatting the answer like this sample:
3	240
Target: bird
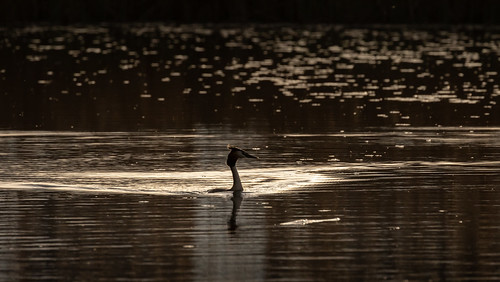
233	156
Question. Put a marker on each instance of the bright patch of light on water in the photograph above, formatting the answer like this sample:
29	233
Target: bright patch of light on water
255	181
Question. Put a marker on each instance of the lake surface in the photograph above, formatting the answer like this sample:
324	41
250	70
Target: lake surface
379	153
419	204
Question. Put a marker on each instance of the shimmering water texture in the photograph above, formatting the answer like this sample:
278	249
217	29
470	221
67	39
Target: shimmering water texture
391	204
378	153
140	163
154	76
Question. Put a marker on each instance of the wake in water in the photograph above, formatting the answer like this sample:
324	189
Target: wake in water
258	181
161	164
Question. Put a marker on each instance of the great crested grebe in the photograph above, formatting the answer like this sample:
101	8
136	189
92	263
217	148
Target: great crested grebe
235	154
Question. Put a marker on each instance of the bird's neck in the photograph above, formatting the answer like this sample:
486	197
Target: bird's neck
236	179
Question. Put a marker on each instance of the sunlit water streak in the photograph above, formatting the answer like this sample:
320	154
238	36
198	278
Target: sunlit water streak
257	181
160	164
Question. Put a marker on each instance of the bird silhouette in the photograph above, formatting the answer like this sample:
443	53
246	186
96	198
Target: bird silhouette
233	156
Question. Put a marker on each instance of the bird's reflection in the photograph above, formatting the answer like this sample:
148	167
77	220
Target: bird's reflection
237	199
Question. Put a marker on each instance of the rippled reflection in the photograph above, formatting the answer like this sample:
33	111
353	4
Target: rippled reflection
236	199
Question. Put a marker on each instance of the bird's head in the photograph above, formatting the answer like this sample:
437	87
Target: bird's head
235	154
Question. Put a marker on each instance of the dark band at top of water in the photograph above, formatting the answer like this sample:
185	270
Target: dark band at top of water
282	78
244	11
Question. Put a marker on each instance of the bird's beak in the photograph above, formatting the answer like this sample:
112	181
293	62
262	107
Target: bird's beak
249	156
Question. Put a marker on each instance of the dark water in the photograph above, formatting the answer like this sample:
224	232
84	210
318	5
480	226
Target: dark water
378	153
284	78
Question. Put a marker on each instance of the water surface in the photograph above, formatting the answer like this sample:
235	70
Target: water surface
417	204
281	77
379	152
